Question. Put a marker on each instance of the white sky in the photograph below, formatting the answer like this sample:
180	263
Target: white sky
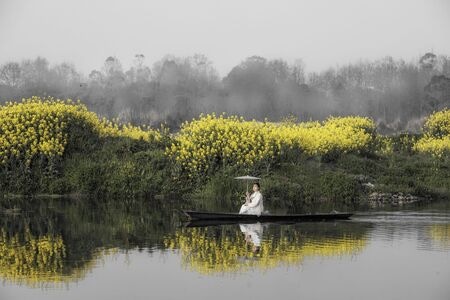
324	33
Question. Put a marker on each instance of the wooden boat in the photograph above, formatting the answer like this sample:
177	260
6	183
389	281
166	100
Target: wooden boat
237	218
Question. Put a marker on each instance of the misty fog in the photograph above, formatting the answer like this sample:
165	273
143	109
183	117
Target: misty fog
395	93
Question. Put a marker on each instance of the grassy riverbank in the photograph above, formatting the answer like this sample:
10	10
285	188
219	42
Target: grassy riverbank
57	147
349	181
123	169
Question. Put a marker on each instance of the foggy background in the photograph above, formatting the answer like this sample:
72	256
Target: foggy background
139	61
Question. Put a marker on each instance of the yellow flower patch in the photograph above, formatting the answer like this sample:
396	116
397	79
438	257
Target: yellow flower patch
37	126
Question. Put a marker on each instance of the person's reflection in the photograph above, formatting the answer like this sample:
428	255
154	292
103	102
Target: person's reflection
253	235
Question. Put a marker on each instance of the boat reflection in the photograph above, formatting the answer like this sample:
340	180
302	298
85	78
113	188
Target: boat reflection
54	243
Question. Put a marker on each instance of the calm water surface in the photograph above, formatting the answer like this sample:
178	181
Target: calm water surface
69	250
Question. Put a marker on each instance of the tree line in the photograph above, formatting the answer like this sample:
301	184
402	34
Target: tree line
395	93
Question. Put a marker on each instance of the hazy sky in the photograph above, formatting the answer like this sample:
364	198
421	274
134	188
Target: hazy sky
323	33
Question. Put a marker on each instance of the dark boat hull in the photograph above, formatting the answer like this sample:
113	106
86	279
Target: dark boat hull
236	218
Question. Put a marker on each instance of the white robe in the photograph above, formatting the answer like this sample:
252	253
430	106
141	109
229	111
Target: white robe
254	206
253	232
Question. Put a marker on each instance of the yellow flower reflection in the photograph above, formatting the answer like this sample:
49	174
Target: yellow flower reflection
441	234
209	251
40	261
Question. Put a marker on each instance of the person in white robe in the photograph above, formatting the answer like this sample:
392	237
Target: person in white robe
253	203
253	233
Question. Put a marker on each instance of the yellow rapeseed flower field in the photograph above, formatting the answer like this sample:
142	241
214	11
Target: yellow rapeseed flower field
37	126
231	140
436	139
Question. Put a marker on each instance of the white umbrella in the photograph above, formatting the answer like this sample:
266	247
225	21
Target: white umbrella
247	178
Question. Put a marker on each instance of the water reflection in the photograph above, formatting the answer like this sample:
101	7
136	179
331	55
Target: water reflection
429	229
253	234
25	257
237	248
40	261
440	234
53	242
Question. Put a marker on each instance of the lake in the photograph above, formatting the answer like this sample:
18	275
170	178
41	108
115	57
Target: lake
68	249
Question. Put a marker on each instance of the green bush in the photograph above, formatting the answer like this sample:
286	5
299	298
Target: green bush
340	188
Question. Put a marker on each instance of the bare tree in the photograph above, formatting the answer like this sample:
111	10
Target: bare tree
10	74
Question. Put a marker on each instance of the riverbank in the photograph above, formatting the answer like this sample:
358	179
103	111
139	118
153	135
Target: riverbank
349	181
126	170
59	147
